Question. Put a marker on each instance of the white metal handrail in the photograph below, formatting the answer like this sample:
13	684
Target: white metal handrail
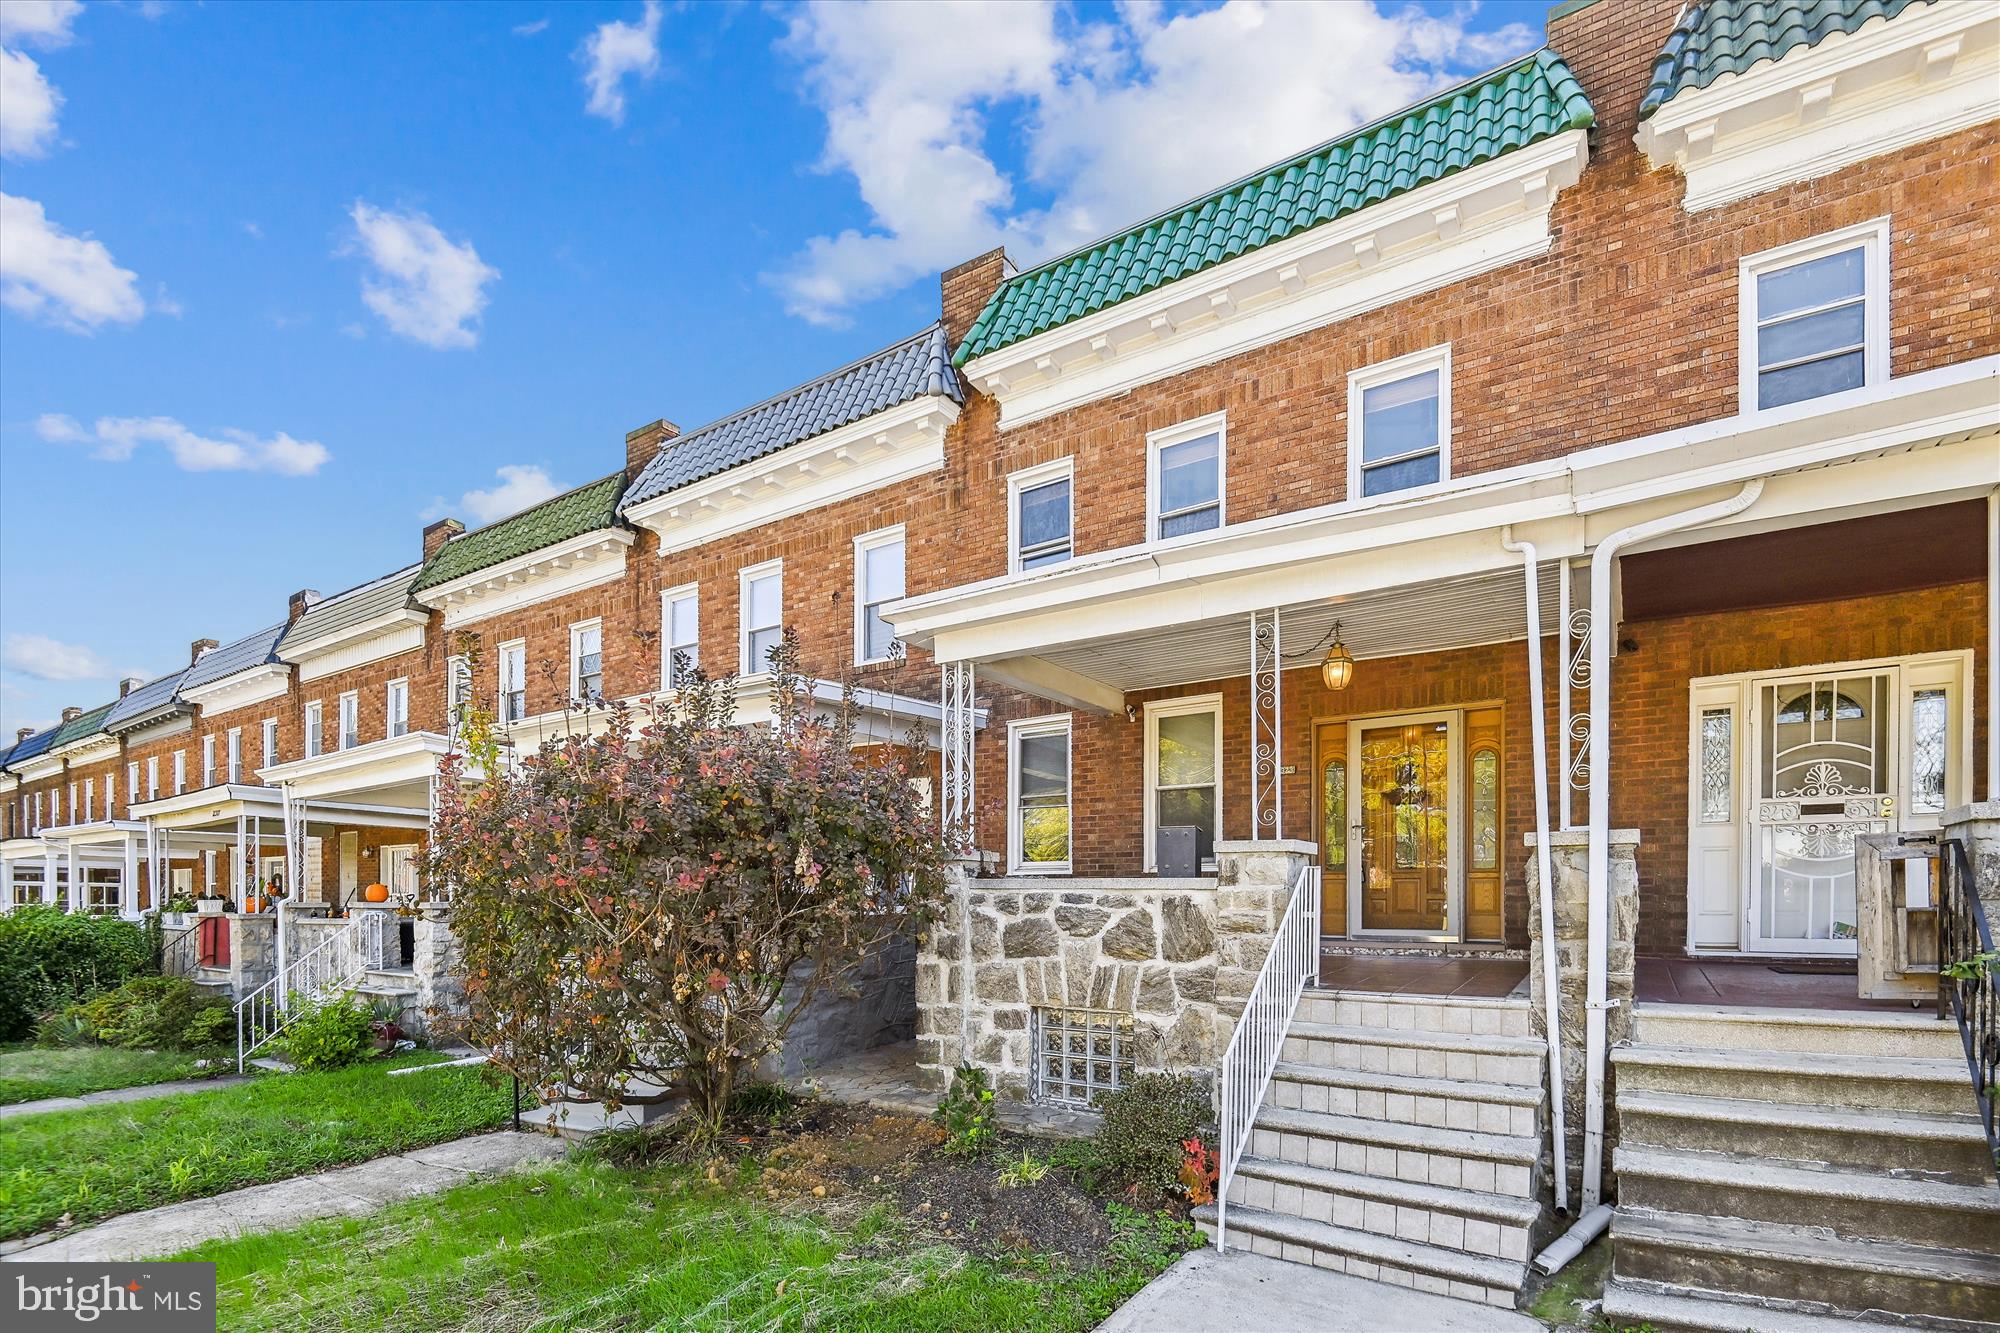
335	964
1259	1039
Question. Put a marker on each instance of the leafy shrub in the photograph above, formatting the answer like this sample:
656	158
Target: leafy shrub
151	1013
64	1027
212	1025
329	1033
967	1112
1145	1125
50	959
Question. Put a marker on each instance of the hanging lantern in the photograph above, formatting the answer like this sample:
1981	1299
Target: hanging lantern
1338	668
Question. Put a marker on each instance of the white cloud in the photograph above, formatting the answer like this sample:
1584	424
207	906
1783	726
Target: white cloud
425	286
115	439
50	275
28	106
531	29
520	485
1115	120
615	51
44	658
38	22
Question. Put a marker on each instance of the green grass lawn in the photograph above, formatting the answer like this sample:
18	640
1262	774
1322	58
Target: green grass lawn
586	1245
121	1157
30	1073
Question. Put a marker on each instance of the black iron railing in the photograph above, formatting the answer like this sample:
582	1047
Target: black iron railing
180	951
1969	980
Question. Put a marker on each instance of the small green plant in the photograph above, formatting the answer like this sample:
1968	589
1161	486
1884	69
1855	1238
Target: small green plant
769	1102
1968	969
180	1174
1146	1124
967	1112
329	1033
212	1025
1021	1174
64	1027
153	1013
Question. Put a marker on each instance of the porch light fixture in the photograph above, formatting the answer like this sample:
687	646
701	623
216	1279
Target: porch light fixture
1338	668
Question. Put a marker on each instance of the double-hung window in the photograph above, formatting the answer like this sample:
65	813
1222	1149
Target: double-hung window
1399	424
396	705
131	785
315	729
180	771
878	580
1039	795
270	741
153	777
1041	516
1814	317
1184	772
235	754
763	596
1185	468
680	635
111	794
350	720
208	761
89	800
586	661
513	682
457	691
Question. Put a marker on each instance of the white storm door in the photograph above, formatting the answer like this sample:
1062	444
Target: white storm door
1715	816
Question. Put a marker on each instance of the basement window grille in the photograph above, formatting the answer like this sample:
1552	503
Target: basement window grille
1080	1054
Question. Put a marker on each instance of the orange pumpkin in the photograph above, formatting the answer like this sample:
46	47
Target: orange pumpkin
376	893
253	905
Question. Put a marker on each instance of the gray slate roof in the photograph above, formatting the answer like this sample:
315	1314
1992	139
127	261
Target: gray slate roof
145	700
250	651
389	593
914	368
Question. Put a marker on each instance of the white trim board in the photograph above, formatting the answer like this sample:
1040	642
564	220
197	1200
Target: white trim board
584	561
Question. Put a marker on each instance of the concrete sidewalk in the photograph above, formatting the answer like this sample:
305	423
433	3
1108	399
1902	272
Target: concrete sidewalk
1206	1292
348	1192
138	1094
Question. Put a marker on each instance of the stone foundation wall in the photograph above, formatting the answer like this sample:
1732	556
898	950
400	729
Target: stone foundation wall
874	1005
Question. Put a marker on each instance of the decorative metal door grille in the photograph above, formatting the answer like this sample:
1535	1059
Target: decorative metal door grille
1080	1053
1825	777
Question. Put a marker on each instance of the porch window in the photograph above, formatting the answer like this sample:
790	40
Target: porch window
1039	775
878	573
350	720
1186	477
680	619
270	741
235	768
1080	1054
586	662
397	707
1183	772
1399	423
1040	513
1814	317
207	763
315	730
513	682
101	890
763	596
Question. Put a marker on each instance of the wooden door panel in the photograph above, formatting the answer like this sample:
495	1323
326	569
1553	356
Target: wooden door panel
1405	797
1485	824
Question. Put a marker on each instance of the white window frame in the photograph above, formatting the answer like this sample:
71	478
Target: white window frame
396	708
233	755
1873	237
38	826
315	729
207	761
1047	724
152	777
180	771
1388	372
1155	710
576	633
1216	424
1028	479
502	710
89	800
863	544
687	592
457	690
131	785
347	708
270	741
744	578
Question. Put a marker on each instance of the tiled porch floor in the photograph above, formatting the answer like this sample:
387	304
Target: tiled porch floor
1466	977
1753	983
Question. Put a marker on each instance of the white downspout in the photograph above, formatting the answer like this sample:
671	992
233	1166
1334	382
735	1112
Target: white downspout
1564	820
1992	646
1551	974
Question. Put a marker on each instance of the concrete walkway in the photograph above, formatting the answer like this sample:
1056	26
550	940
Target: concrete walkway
138	1094
348	1192
1206	1292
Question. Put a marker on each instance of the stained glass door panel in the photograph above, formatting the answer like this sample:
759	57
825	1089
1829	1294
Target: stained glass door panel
1405	795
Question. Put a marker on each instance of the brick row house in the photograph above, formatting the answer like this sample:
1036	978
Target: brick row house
1524	571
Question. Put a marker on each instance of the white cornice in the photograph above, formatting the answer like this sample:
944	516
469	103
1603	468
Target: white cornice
42	766
87	749
350	637
240	689
1930	71
1474	220
584	561
888	447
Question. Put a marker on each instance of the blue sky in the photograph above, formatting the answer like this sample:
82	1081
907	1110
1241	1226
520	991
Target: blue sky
279	283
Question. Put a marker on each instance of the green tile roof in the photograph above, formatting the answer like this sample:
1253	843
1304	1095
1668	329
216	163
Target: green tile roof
82	725
571	514
1718	37
1530	100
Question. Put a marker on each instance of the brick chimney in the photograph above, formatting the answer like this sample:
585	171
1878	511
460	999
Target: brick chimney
1610	46
438	533
200	646
72	713
643	445
301	601
965	290
22	733
129	684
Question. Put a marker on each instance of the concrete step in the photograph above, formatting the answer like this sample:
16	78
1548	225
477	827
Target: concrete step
1364	1254
1453	1158
1629	1304
1453	1055
1812	1272
1428	1013
1850	1203
1494	1225
1950	1147
1913	1035
1797	1078
1493	1108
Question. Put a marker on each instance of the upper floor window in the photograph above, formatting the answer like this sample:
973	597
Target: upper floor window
180	771
38	825
763	614
680	634
153	778
1040	515
1399	424
396	705
513	682
89	800
878	580
131	785
208	761
1185	477
457	690
235	766
315	729
350	720
586	661
270	741
1814	317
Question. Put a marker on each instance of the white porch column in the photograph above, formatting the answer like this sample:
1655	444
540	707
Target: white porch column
48	873
128	887
1267	785
958	814
238	879
79	900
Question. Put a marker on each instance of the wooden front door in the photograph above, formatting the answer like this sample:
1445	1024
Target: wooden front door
1402	778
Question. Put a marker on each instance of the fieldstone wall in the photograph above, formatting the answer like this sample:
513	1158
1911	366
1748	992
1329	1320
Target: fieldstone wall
1978	826
253	951
874	1004
437	964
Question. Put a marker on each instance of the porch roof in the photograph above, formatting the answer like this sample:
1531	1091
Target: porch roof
219	807
393	774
